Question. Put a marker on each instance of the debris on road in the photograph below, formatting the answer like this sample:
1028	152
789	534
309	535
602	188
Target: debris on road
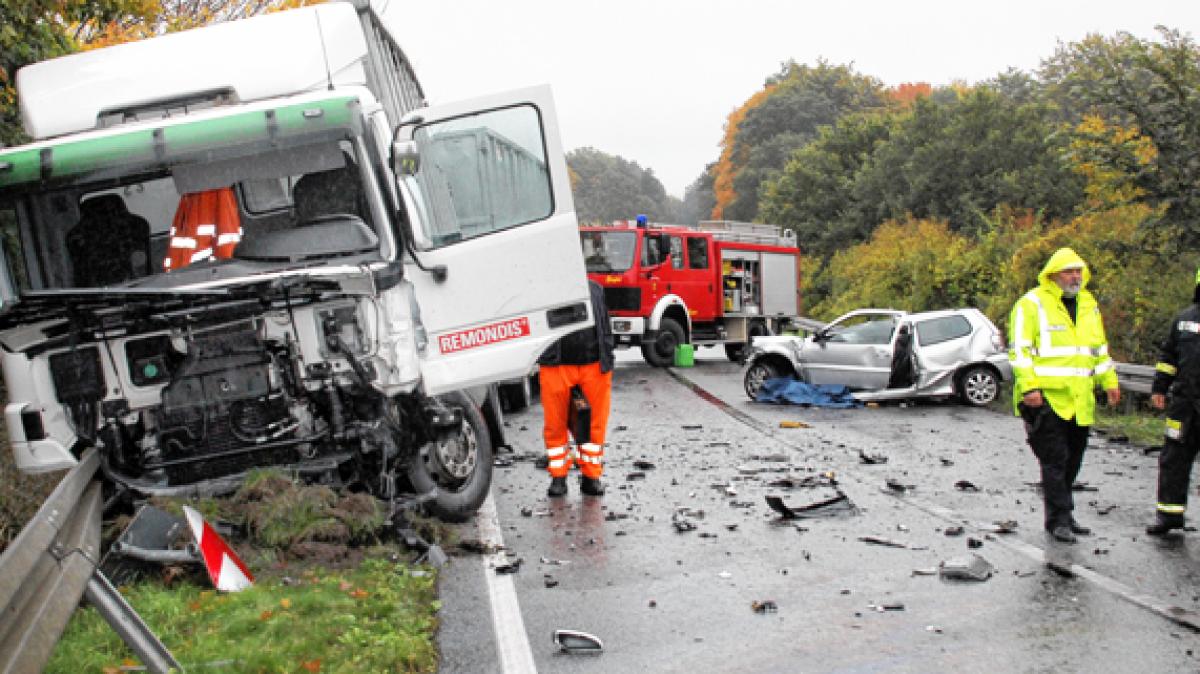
893	606
966	485
554	562
947	462
692	427
1004	526
925	572
635	475
974	543
683	525
549	580
955	530
933	628
837	504
793	424
871	459
896	486
642	464
972	568
1083	486
574	641
764	606
511	567
886	542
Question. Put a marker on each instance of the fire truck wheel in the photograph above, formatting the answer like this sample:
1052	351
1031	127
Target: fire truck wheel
661	352
460	468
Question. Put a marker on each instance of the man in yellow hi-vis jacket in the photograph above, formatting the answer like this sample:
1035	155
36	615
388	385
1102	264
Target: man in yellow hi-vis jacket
1059	355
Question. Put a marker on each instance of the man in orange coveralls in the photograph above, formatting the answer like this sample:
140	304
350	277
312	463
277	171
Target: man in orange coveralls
207	225
583	358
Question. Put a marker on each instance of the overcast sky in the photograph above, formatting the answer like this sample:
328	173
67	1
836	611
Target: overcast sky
653	80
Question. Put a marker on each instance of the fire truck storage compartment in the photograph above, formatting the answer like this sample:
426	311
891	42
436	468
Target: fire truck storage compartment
758	283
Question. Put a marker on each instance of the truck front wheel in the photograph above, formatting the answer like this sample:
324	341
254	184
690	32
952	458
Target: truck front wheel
661	351
459	467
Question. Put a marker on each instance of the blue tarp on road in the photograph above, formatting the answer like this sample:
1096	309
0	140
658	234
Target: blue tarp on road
796	392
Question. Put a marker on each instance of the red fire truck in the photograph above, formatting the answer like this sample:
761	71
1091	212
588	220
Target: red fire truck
720	282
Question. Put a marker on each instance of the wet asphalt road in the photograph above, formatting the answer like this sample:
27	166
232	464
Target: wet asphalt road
664	600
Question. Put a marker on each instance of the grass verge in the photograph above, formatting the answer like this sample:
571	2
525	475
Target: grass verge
378	617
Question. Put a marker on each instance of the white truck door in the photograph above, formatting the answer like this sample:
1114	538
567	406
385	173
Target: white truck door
490	203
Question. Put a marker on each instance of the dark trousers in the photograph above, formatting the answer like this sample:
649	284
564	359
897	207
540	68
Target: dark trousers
1175	466
1059	445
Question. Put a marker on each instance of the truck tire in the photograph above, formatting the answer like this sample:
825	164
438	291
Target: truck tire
460	468
737	351
661	352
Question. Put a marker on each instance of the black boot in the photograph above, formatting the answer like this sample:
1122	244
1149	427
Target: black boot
558	487
592	486
1164	523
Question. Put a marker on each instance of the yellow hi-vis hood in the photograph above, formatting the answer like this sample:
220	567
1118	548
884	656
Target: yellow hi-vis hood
1063	258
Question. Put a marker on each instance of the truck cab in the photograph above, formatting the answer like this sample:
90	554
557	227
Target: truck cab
255	243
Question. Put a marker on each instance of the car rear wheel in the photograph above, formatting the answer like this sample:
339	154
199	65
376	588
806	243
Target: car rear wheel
758	373
979	386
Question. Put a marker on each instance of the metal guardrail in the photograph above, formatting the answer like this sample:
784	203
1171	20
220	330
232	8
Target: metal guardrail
50	566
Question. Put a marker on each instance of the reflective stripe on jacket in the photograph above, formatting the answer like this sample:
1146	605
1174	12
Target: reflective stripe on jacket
206	225
1064	358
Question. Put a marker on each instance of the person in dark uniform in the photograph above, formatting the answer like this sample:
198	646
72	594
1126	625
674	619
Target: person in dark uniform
1178	375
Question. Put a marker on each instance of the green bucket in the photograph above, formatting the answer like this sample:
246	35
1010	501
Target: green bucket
685	355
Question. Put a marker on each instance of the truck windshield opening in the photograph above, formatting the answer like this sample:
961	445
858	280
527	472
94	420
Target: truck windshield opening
608	251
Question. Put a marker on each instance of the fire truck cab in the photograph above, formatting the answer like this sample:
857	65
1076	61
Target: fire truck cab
719	282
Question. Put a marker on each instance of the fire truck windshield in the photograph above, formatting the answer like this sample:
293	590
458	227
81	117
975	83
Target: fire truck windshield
608	251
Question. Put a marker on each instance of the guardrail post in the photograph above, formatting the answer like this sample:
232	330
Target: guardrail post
126	622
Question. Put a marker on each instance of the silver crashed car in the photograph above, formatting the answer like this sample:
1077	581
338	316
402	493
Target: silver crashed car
884	354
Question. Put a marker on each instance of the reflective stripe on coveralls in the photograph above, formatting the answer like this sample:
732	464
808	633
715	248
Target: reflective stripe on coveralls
556	382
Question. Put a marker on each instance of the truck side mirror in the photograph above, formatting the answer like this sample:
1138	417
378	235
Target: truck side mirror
406	157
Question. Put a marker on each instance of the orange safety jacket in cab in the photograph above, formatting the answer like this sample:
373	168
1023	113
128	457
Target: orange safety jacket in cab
207	225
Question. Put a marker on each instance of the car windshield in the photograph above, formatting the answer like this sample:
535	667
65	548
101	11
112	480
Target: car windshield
152	207
608	251
865	329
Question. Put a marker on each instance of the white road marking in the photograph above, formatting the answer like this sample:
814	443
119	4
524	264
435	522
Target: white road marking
516	656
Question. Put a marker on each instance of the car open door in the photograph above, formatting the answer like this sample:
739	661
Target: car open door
491	214
854	350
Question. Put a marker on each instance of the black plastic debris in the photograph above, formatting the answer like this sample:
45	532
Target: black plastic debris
635	475
574	641
871	459
526	511
898	487
764	606
621	428
1083	486
642	464
549	581
971	567
839	503
614	516
966	485
955	530
892	606
511	567
692	427
947	462
1106	509
885	542
974	543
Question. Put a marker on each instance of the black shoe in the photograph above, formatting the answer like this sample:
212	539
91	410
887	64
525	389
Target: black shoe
1062	534
592	486
1077	528
1164	524
558	487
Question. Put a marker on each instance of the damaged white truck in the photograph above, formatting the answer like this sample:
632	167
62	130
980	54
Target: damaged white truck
365	266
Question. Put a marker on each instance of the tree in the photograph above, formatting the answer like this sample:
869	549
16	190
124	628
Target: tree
608	187
698	198
784	116
1151	89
